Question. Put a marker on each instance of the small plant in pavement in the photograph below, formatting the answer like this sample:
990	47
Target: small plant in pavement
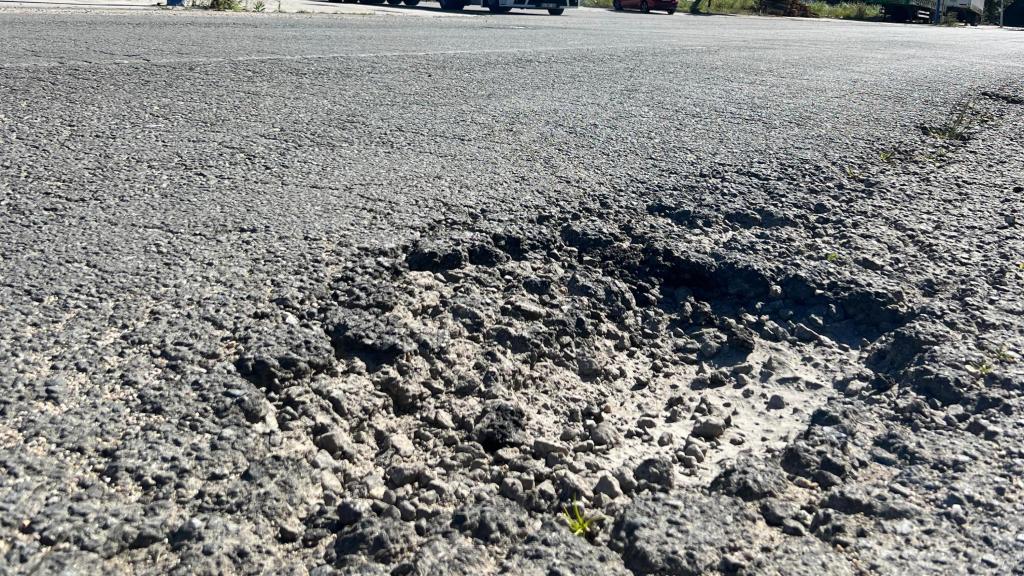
259	6
579	524
957	124
1003	355
832	257
983	367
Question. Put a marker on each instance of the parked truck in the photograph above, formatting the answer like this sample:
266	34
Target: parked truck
554	7
969	11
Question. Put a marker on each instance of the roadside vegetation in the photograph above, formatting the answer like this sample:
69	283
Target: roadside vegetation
846	10
228	5
235	5
820	9
725	6
219	5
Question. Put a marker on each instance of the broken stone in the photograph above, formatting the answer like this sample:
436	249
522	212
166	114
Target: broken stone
709	428
657	472
542	447
608	485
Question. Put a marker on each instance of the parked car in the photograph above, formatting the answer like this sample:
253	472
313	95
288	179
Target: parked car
646	5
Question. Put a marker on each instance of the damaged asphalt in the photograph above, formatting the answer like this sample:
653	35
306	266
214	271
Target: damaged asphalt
312	294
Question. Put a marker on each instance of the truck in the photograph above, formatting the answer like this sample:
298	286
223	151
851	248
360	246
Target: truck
969	11
554	7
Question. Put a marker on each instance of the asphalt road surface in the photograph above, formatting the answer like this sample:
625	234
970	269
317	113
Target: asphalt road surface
187	201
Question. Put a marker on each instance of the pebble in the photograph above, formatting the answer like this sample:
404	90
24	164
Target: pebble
793	528
444	420
776	511
957	514
903	527
584	447
657	472
608	485
695	452
627	481
666	439
588	367
709	428
407	510
290	529
742	381
402	475
542	447
512	488
546	491
646	422
529	310
336	443
604	435
402	445
329	482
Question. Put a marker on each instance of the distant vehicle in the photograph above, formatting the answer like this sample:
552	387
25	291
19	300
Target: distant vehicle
969	11
554	7
646	5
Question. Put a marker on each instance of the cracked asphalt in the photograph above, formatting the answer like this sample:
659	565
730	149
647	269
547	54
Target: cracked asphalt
168	178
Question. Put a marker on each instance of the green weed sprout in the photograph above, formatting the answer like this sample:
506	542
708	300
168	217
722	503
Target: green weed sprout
579	524
1003	355
984	367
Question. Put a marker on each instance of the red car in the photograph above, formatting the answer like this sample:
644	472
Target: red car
646	5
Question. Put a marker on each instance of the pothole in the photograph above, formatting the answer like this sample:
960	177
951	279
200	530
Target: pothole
560	363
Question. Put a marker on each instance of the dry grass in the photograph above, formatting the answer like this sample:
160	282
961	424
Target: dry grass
845	10
842	10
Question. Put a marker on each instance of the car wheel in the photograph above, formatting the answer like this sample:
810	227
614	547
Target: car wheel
644	7
556	11
617	5
394	2
495	8
411	2
455	5
671	11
